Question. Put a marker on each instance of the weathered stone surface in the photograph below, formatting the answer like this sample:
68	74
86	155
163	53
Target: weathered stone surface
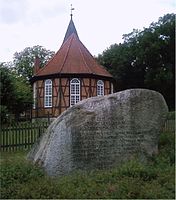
102	132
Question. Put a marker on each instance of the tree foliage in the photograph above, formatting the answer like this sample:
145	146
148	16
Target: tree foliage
16	93
24	60
145	59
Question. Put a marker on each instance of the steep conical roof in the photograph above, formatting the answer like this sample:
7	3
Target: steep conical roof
72	58
71	29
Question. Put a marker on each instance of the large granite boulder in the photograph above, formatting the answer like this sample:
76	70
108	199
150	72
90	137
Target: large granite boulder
102	132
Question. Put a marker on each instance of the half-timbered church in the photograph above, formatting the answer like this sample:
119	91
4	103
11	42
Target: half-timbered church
69	77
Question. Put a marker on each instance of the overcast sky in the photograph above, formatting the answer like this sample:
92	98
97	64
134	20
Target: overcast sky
99	23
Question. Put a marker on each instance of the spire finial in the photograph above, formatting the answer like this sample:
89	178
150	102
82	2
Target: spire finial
71	11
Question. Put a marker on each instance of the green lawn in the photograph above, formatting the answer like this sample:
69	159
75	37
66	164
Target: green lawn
152	180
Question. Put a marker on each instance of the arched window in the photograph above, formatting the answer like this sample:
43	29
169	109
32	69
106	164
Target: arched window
74	91
100	88
48	93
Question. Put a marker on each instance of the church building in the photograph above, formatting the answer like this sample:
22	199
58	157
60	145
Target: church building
69	77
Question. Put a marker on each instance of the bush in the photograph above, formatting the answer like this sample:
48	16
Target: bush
171	115
135	169
167	148
4	113
154	179
14	176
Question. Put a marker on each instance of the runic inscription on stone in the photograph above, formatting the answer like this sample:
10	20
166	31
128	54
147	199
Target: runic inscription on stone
102	132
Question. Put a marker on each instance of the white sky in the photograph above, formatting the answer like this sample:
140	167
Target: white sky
99	23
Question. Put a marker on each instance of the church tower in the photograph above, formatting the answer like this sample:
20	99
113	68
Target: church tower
69	77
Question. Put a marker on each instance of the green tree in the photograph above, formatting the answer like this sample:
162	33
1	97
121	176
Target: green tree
6	85
23	95
24	60
16	93
145	59
6	91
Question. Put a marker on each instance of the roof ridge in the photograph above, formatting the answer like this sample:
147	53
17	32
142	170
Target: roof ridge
73	57
85	61
70	30
95	61
67	52
41	69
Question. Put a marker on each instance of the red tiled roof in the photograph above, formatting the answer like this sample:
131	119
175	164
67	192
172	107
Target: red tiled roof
73	58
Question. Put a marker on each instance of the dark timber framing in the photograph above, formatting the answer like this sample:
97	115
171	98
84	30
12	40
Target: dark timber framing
73	60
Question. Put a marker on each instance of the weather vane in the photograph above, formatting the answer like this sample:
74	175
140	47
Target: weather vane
71	11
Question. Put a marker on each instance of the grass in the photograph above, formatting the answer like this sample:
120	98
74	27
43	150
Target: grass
133	180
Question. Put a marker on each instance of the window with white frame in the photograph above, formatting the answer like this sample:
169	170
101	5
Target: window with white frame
34	95
48	93
100	88
74	91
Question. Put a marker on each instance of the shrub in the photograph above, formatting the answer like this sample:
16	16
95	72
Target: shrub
14	175
4	114
171	115
136	169
167	147
154	179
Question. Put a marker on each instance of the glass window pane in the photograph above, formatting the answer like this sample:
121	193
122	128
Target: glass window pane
74	91
48	93
100	88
